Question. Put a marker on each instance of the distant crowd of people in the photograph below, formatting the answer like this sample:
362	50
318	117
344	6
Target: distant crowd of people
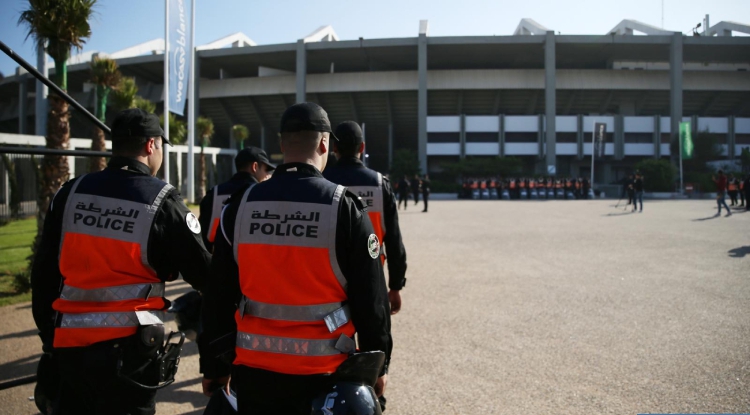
520	188
414	187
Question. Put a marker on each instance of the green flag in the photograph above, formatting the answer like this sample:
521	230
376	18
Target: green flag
686	141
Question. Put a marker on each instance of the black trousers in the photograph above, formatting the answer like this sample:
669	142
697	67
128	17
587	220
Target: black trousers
416	197
260	392
403	197
733	196
89	382
425	197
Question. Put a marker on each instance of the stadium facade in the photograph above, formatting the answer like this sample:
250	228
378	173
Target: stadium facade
533	95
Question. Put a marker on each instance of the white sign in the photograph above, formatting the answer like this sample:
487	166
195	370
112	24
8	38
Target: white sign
551	169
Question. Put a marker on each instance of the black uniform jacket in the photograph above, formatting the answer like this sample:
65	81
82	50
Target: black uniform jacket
173	248
350	171
237	183
366	291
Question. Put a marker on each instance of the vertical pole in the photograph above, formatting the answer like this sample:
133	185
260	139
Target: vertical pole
166	89
550	97
301	71
23	97
390	145
462	137
501	135
40	102
593	151
263	138
682	186
191	111
675	89
422	100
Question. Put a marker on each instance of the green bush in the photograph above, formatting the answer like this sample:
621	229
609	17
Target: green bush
405	162
658	175
484	167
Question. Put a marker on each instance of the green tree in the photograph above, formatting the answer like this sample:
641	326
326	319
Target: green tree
205	129
745	160
123	95
658	175
240	133
405	163
148	106
105	75
177	128
60	25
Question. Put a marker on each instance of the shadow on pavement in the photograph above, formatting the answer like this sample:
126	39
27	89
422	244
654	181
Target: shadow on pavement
174	394
706	218
739	252
26	333
19	368
618	214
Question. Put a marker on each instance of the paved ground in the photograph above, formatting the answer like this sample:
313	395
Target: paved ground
541	308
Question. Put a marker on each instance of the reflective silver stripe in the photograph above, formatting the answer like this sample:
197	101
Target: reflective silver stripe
372	196
317	312
286	345
118	293
116	319
382	207
216	209
333	259
68	207
237	237
151	214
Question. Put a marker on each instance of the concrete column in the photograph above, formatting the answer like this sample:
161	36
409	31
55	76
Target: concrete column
501	134
40	104
422	101
731	138
540	138
675	85
23	99
550	97
301	71
462	138
197	83
619	137
657	136
579	136
390	145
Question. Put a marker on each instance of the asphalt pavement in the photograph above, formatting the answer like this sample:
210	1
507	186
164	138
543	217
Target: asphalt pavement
538	307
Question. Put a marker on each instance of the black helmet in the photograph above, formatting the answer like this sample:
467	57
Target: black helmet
187	311
352	392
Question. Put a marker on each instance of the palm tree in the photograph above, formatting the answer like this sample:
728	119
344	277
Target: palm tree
240	133
61	25
123	95
205	128
177	127
148	106
105	75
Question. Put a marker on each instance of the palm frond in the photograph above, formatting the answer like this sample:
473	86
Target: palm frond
104	72
64	24
205	129
240	132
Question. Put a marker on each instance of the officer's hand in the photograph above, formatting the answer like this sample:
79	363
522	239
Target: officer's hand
380	385
212	385
394	297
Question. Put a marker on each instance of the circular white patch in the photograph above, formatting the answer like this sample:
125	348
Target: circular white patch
192	223
373	246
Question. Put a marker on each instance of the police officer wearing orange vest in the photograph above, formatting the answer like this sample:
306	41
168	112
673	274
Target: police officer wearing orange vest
252	166
296	272
119	234
377	195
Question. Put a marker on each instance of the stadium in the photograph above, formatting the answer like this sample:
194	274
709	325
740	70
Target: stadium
533	95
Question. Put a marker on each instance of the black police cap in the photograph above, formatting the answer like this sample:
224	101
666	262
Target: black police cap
306	116
252	155
349	134
135	123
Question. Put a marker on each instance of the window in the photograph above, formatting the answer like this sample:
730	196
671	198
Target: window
566	137
521	137
642	138
443	137
482	137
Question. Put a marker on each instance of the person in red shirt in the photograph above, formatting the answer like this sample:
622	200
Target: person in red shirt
721	190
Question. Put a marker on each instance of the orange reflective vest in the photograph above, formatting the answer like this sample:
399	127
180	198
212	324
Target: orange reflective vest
372	197
532	184
512	184
522	184
218	204
493	184
483	185
558	185
474	185
292	318
109	287
549	184
732	186
578	185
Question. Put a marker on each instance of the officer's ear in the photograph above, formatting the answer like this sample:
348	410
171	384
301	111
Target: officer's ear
324	143
151	145
361	148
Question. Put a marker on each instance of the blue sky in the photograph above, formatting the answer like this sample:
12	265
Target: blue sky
122	23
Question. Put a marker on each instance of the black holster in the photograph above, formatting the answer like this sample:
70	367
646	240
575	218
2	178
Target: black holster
151	362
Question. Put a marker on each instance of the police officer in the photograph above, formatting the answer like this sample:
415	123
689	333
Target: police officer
377	195
119	235
252	166
296	272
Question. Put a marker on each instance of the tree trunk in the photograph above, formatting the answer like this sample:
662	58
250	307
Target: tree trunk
54	169
202	166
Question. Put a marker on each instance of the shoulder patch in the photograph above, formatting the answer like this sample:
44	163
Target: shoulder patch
192	223
373	246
